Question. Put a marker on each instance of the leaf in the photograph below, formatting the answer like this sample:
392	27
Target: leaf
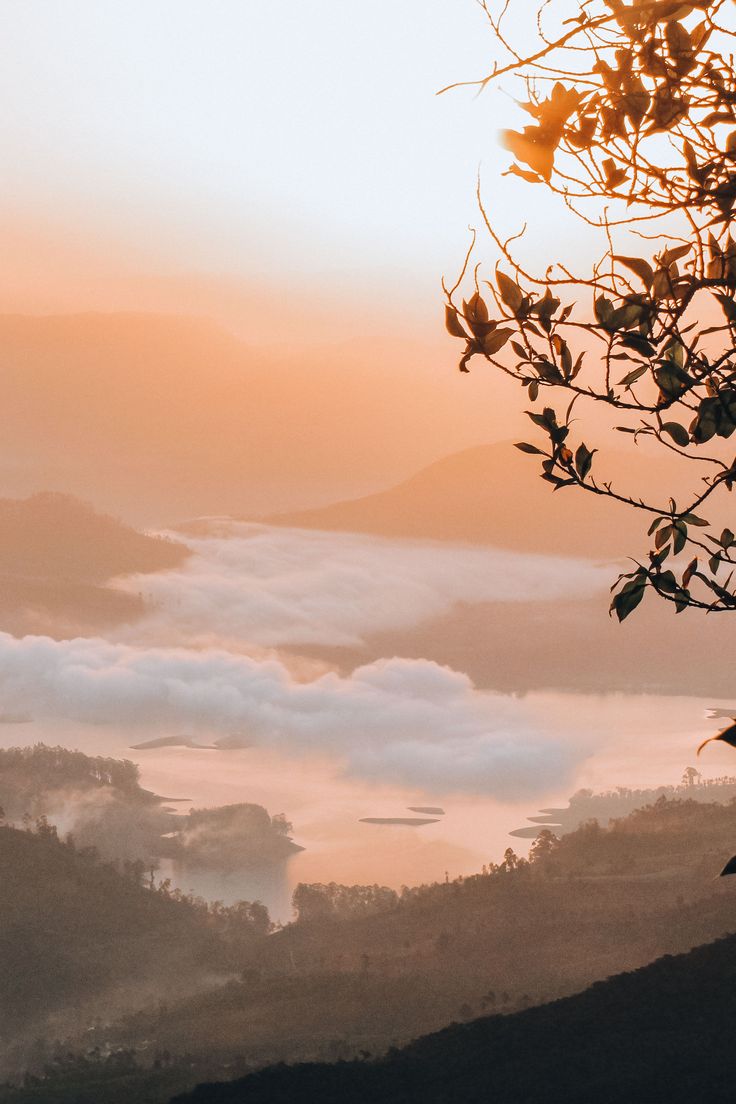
671	381
603	309
689	571
639	266
679	45
716	117
532	450
614	175
530	177
663	535
531	148
728	305
727	538
682	600
633	376
626	601
666	582
453	324
677	432
676	253
511	293
476	309
635	101
639	343
625	317
583	460
496	340
680	537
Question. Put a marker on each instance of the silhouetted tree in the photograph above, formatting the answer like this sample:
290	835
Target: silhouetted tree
633	127
543	847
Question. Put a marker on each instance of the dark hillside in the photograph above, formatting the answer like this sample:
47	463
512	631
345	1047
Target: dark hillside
75	931
663	1033
364	970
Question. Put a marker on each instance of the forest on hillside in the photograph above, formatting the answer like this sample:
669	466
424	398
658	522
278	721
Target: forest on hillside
363	969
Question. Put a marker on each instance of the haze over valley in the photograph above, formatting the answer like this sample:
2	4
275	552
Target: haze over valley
332	765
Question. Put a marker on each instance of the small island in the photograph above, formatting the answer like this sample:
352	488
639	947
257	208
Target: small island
409	822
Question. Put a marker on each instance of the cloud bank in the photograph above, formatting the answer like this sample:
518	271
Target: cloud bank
395	720
274	586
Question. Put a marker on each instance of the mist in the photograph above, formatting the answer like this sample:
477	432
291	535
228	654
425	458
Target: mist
400	720
267	585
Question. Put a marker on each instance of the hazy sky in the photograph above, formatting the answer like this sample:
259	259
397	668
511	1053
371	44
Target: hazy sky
298	141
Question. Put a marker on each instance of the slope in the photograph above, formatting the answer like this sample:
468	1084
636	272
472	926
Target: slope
491	494
661	1033
57	553
164	416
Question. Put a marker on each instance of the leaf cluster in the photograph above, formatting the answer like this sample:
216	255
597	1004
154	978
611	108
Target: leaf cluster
632	106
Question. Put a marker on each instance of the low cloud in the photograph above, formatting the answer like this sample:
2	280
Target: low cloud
273	586
395	720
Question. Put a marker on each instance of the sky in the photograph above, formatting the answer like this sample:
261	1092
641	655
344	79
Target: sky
297	147
288	173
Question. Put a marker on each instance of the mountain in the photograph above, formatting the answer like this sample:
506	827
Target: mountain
492	494
57	553
57	537
158	417
661	1033
561	644
364	969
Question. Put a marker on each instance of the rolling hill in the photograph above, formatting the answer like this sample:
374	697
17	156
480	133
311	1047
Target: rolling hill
78	936
57	537
492	494
368	972
57	554
661	1033
159	417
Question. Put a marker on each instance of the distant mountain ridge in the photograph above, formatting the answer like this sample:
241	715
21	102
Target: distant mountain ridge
490	494
162	416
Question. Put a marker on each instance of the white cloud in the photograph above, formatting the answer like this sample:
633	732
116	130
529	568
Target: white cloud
396	720
273	586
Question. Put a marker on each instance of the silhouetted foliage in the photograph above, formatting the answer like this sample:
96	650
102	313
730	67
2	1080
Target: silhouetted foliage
75	930
633	111
340	902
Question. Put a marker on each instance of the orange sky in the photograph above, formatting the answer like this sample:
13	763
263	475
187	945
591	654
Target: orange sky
182	158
